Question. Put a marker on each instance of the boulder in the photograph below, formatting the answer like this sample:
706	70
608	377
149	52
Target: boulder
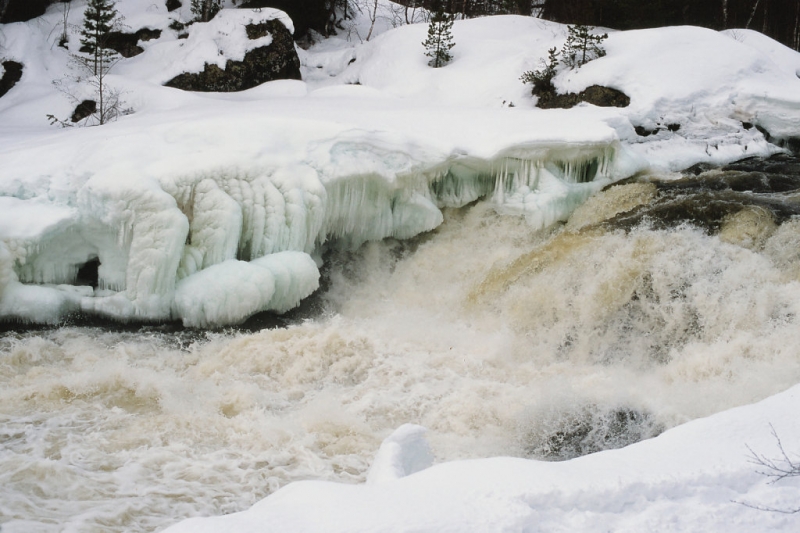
84	110
11	75
595	95
277	61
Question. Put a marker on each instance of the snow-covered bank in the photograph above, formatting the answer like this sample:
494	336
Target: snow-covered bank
697	477
232	180
190	181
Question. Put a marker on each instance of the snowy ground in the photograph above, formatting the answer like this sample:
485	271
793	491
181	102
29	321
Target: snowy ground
697	477
194	203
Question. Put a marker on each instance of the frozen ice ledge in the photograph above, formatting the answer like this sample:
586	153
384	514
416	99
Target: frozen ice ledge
211	240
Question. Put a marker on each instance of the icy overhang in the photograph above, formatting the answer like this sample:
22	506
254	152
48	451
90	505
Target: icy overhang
182	210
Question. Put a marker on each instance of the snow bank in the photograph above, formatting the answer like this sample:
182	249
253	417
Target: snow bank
373	145
696	477
225	182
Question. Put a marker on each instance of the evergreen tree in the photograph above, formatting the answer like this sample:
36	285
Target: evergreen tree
582	46
99	20
204	10
440	40
542	79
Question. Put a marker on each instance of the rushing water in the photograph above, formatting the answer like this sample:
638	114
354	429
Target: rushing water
658	302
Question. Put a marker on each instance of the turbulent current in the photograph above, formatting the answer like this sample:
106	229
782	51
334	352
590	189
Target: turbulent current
659	301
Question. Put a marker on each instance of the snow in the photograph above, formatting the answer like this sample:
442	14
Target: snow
207	208
697	477
215	42
230	291
372	145
401	454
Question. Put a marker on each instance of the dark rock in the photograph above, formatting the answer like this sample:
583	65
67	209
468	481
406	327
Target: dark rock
764	132
305	14
172	5
747	125
641	131
595	95
257	31
83	110
12	74
126	44
276	61
589	430
22	10
708	195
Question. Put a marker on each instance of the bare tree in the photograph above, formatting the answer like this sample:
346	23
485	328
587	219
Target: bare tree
64	38
372	17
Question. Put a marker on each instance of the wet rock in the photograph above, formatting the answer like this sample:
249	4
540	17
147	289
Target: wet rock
172	5
12	74
712	198
276	61
559	436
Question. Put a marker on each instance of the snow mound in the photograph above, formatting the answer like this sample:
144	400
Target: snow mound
231	291
401	454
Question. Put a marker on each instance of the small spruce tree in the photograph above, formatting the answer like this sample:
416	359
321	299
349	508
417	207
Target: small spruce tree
440	40
99	20
542	79
97	59
582	46
204	10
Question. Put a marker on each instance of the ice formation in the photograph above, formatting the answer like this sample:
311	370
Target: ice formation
373	144
206	246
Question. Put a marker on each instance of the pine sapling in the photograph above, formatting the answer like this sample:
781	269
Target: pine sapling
440	40
582	46
542	79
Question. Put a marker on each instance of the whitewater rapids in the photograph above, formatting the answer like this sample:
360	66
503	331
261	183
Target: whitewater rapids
498	339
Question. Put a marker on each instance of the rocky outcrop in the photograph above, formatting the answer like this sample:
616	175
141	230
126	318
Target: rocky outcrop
305	14
22	10
12	74
277	61
127	44
595	95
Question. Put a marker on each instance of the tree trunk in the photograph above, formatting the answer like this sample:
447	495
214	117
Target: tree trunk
372	18
752	14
